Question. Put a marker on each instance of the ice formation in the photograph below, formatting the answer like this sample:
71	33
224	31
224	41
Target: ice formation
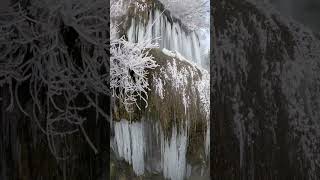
173	152
168	34
139	143
130	144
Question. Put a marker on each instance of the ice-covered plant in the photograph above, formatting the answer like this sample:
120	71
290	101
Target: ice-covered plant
59	51
59	48
129	62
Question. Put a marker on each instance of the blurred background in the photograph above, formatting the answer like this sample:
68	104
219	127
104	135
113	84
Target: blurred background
305	11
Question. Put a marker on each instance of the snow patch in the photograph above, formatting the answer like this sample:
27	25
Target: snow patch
168	53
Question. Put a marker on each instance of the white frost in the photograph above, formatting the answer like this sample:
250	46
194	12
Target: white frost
159	87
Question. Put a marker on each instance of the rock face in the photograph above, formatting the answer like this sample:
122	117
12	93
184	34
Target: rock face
175	86
171	135
265	94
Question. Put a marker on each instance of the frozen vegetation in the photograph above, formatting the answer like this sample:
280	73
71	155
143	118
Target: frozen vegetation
52	47
54	88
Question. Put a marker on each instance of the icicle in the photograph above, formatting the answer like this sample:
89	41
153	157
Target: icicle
130	144
133	143
173	154
172	36
138	148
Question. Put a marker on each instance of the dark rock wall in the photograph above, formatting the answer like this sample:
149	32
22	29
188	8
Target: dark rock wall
265	94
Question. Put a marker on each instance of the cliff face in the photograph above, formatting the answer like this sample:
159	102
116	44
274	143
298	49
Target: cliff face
168	138
171	135
266	100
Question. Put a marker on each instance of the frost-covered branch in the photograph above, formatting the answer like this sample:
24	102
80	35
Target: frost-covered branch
129	63
59	48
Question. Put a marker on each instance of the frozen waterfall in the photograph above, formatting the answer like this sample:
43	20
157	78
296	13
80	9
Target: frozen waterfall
146	147
168	33
174	152
130	144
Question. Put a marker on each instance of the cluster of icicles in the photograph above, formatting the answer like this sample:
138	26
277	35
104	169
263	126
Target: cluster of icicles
139	144
168	34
